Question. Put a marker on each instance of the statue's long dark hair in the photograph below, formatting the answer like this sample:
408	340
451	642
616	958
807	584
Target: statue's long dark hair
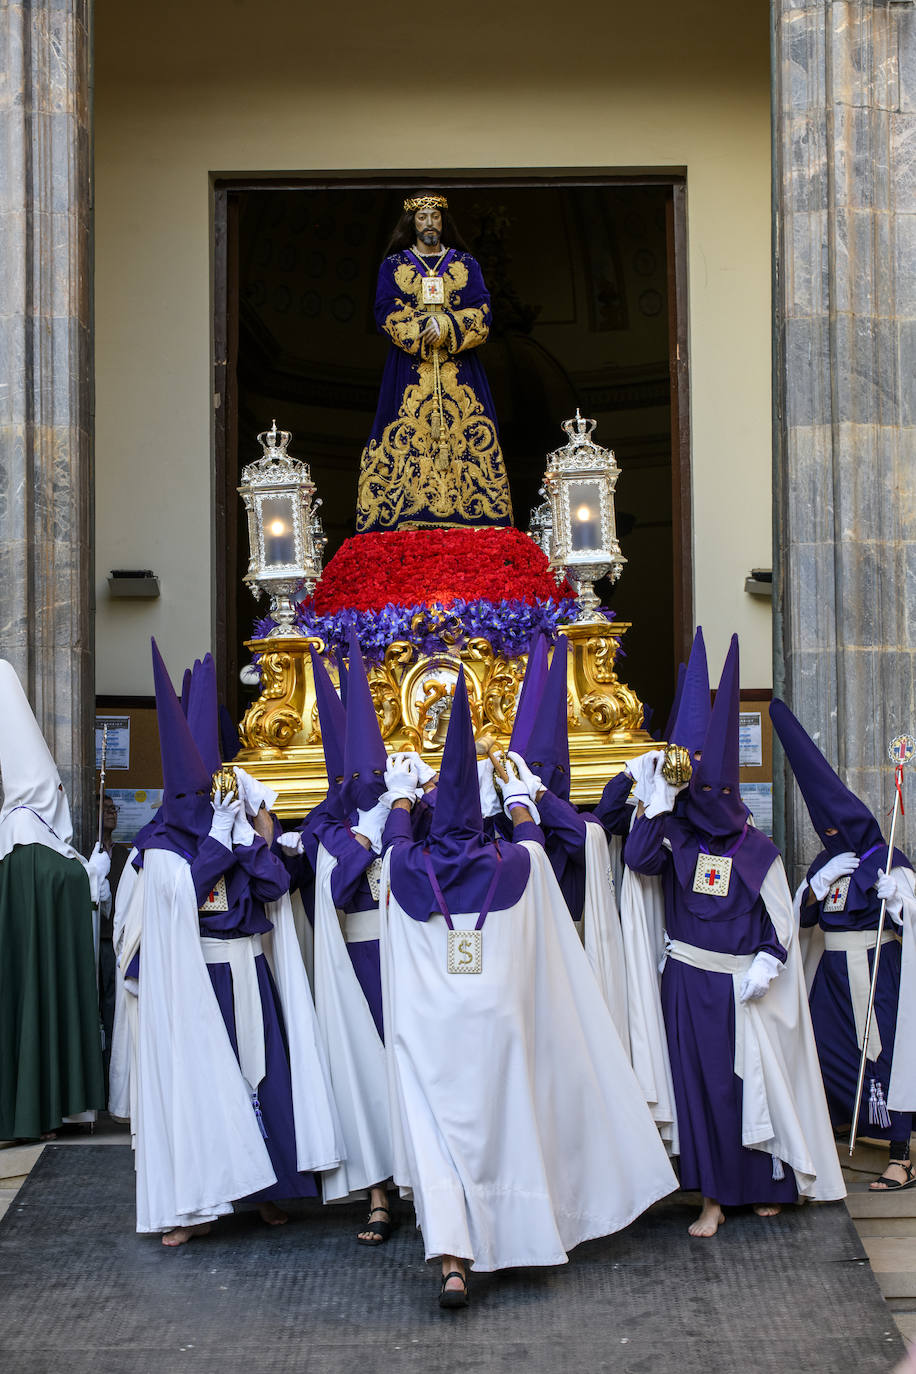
405	233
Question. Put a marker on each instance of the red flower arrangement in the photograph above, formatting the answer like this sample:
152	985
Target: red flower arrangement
412	567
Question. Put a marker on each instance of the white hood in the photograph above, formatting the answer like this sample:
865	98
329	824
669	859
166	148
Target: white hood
34	808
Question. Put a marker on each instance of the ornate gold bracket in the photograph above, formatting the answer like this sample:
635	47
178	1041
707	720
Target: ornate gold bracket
281	740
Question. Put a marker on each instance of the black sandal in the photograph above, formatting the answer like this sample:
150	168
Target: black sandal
379	1230
454	1297
890	1184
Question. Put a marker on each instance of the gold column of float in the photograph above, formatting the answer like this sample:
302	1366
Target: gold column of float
281	738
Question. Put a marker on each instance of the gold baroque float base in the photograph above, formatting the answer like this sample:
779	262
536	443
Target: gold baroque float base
281	739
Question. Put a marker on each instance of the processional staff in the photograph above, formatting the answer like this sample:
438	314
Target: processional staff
102	781
901	752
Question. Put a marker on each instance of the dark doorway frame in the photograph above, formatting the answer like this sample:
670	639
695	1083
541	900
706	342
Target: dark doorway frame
224	257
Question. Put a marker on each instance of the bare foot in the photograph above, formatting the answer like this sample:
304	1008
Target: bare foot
708	1222
182	1234
897	1171
272	1214
767	1209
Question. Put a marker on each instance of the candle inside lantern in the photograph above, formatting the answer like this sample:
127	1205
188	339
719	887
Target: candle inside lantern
277	518
584	529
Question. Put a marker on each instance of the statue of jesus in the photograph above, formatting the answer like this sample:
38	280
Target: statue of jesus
433	458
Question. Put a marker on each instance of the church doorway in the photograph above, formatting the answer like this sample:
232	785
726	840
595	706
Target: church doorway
587	281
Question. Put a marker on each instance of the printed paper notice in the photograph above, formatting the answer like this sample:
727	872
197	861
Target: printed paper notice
758	798
750	740
117	747
135	809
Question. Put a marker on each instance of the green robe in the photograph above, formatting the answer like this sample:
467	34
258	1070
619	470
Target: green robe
50	1049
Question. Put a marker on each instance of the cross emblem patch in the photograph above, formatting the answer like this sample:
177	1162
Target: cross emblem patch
836	897
712	875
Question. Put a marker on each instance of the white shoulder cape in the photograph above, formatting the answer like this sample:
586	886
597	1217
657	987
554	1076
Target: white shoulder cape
518	1123
198	1142
355	1052
601	929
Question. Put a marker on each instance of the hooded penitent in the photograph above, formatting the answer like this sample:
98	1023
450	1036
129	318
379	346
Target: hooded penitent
711	815
342	675
34	808
365	758
690	720
203	712
529	697
548	744
332	719
463	859
185	816
832	806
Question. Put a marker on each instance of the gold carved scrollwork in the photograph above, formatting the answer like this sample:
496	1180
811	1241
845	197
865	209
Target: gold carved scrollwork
603	651
276	718
499	686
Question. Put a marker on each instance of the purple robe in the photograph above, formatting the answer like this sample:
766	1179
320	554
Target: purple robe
699	1011
832	1015
424	468
254	875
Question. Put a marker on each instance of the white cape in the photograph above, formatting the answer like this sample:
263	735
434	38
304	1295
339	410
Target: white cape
355	1052
198	1142
601	929
642	923
122	1068
517	1121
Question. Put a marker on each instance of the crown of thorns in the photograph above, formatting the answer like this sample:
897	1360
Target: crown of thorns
425	203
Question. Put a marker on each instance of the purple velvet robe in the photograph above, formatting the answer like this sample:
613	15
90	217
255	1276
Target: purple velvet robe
423	468
699	1011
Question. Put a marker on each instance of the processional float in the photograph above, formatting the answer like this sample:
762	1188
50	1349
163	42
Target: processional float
415	651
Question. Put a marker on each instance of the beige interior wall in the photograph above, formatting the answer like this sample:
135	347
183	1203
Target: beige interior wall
193	87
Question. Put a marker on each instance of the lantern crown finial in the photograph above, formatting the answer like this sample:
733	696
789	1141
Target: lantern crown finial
274	441
579	429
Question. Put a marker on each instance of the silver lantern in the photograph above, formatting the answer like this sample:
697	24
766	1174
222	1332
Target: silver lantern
540	525
580	481
284	531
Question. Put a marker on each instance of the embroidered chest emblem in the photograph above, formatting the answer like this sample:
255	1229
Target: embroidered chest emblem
465	951
712	874
835	899
432	291
374	878
217	898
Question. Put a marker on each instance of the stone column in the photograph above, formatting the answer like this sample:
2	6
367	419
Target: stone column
46	386
844	169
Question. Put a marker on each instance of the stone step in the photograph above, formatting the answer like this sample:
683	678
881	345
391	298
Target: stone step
18	1160
894	1228
862	1202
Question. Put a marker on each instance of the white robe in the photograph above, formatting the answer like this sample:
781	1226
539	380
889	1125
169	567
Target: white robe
355	1053
198	1142
517	1122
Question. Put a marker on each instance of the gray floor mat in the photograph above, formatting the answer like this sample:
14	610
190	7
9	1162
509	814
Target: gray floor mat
82	1293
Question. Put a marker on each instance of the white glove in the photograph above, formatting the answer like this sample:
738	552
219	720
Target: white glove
513	791
243	832
105	892
290	842
663	795
642	771
759	976
839	867
888	891
253	793
422	769
531	780
401	779
224	814
490	805
370	824
99	864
